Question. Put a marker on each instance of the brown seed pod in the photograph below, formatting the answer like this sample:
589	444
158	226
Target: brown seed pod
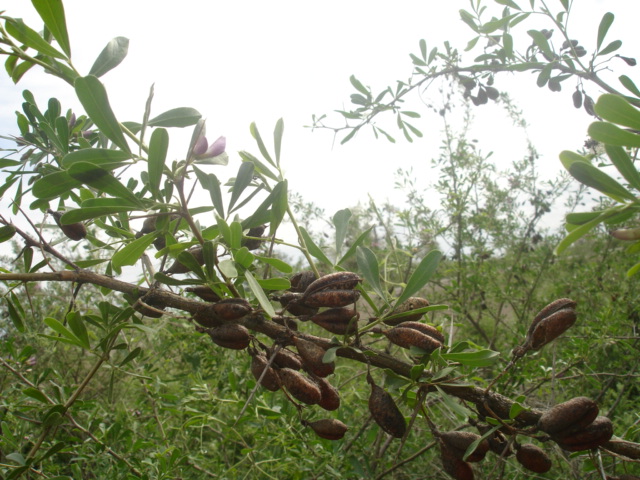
576	414
332	298
250	243
292	303
232	308
149	225
204	292
299	386
459	442
328	428
426	329
330	397
301	280
412	303
312	356
333	281
455	467
597	433
288	297
206	317
270	380
178	267
341	321
386	413
533	458
148	312
287	359
409	337
230	335
622	447
73	231
286	322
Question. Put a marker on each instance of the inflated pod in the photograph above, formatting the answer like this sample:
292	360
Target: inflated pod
332	298
533	458
576	413
270	379
231	308
412	303
299	386
312	356
341	321
333	281
386	413
230	335
328	428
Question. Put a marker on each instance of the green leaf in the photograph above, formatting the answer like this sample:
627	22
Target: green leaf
623	163
167	280
629	85
15	316
54	185
228	268
544	75
244	257
612	47
516	409
358	86
277	138
341	222
605	23
132	355
52	451
541	42
568	157
210	182
352	249
480	358
260	167
595	178
158	147
35	394
102	180
236	235
52	14
313	249
67	335
275	263
256	135
274	283
633	270
111	56
177	117
259	294
29	37
81	214
242	181
7	232
616	109
95	101
421	276
368	267
508	3
582	230
469	20
188	260
130	253
579	218
74	320
612	135
101	157
279	205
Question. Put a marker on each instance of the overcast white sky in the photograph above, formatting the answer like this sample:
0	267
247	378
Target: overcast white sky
243	61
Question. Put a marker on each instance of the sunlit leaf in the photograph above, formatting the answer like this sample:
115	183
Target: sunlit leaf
481	358
277	138
177	117
29	37
314	249
421	276
131	253
368	267
603	28
341	222
102	157
243	180
102	180
259	294
54	185
352	249
623	163
616	109
111	56
256	135
158	147
595	178
52	14
7	232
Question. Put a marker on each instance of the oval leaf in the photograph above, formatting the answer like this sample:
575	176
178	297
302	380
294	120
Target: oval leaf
177	117
129	254
111	56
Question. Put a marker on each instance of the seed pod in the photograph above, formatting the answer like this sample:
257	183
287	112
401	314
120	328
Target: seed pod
533	458
459	442
426	329
622	447
148	312
386	413
333	281
250	243
455	467
332	298
312	356
204	292
412	303
575	414
149	225
288	322
232	308
230	335
341	321
330	399
409	337
292	302
301	280
288	297
287	359
627	234
592	436
178	267
299	386
328	428
206	317
492	93
270	380
73	231
577	98
498	444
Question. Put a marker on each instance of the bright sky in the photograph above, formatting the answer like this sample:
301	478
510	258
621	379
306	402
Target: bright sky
238	62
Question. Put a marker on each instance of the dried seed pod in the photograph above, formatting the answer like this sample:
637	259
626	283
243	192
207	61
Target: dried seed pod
498	444
301	280
149	225
178	267
73	231
332	298
288	297
333	281
287	359
341	321
597	433
426	329
328	428
455	467
409	337
533	458
551	322
250	243
576	414
330	397
270	380
292	303
288	322
230	335
412	303
622	447
204	292
386	413
299	386
312	356
207	317
148	312
459	442
232	308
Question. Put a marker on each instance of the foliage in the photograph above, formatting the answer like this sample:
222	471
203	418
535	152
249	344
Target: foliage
108	370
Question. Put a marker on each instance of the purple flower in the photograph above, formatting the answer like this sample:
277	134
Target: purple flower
203	150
